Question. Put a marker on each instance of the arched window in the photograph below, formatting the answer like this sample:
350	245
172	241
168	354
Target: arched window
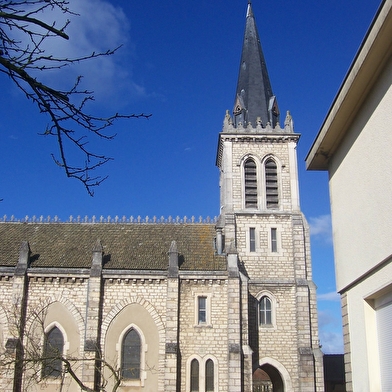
202	374
130	355
271	184
209	375
52	353
194	375
250	172
265	311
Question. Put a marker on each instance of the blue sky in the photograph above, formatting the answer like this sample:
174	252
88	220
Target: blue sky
179	61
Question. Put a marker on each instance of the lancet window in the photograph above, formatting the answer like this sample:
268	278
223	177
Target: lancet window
52	353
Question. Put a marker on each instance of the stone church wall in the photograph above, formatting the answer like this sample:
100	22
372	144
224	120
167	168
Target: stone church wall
260	150
204	341
140	303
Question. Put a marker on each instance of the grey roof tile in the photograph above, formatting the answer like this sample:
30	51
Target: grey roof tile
133	246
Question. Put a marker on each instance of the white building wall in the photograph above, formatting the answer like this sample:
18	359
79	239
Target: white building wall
361	205
361	319
361	187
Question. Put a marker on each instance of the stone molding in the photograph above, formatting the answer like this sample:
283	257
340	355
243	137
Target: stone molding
259	138
45	303
128	301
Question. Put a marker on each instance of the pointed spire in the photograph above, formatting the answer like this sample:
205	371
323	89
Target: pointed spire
249	11
254	97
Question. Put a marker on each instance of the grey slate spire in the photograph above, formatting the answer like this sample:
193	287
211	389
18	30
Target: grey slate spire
254	98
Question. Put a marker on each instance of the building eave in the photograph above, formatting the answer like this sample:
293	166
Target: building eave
368	63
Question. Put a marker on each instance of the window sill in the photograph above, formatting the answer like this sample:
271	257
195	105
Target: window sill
275	254
202	326
52	380
267	326
131	383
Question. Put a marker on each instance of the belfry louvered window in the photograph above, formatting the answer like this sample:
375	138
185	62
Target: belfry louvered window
53	353
271	184
250	183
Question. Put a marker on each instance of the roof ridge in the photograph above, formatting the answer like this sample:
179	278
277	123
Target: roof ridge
111	220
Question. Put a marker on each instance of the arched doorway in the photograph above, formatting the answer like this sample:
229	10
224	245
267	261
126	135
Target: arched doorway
267	378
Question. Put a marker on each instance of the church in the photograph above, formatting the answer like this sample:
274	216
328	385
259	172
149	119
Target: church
174	305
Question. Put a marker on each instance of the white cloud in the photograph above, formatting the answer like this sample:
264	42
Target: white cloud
98	26
321	227
326	318
330	332
331	296
332	342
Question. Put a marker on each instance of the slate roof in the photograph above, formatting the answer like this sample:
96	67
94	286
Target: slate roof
253	87
133	246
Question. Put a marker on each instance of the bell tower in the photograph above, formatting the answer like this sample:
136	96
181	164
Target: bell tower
261	221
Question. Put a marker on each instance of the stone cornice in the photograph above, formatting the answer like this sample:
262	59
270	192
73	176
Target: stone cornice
272	282
260	137
135	279
253	137
142	274
203	275
75	274
54	272
253	213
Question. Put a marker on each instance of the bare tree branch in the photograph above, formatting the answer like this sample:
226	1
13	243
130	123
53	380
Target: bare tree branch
35	358
70	123
35	21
